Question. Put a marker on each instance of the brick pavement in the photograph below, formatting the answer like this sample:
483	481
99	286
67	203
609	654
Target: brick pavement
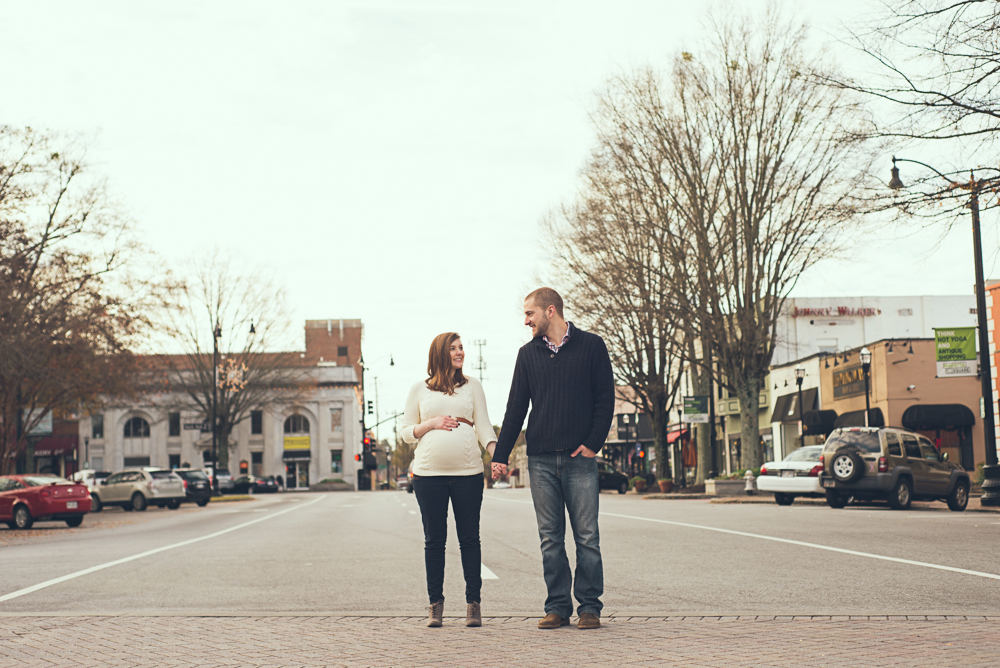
279	641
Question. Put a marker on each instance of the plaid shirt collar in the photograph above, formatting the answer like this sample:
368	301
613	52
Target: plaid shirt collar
555	348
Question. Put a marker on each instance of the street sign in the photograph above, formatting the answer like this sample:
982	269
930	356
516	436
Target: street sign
200	426
955	351
44	425
696	409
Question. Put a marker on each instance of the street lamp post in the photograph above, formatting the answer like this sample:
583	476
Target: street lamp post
800	375
866	365
991	472
216	334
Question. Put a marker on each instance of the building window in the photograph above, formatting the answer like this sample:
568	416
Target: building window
972	311
296	424
257	464
337	421
336	461
256	423
341	351
175	424
175	461
137	428
97	463
97	426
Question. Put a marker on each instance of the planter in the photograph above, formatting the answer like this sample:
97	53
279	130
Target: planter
640	486
725	487
666	486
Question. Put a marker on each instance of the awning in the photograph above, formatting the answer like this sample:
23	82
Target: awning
857	419
819	422
674	435
57	446
786	407
936	416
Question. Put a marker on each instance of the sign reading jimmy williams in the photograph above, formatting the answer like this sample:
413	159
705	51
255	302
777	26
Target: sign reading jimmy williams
696	409
956	352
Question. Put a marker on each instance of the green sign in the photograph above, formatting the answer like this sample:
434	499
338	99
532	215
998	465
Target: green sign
696	409
955	351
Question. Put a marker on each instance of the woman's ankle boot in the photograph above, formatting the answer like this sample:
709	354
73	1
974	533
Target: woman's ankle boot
436	612
473	615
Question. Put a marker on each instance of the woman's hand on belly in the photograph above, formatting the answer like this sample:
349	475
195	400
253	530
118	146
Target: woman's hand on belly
444	422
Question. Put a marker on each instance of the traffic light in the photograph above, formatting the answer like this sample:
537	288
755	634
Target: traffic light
368	443
371	407
357	458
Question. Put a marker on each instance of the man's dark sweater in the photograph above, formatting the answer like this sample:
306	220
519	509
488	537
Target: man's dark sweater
572	396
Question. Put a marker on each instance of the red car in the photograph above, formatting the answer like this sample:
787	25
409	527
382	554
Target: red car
25	499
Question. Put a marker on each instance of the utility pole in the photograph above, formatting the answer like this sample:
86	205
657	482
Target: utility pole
216	333
480	364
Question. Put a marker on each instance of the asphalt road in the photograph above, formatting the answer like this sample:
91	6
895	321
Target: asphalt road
362	554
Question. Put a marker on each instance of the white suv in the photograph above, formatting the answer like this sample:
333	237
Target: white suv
91	478
136	489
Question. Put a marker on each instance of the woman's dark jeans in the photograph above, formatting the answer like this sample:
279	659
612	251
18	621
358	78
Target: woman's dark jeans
466	494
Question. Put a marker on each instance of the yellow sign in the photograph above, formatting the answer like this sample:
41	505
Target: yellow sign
296	442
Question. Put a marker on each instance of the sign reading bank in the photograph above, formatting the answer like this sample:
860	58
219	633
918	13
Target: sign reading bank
955	350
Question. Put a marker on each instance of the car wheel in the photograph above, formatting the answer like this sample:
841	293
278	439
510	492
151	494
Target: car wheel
959	497
23	518
138	502
623	488
847	466
835	499
901	495
783	499
95	504
174	505
74	522
202	503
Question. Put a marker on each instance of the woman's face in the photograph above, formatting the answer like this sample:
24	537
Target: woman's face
457	354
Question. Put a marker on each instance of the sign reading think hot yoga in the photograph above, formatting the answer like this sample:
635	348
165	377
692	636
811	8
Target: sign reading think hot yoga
955	350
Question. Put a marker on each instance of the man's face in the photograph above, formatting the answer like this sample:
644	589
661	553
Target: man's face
536	319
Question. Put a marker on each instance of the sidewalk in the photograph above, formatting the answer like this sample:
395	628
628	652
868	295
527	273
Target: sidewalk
278	641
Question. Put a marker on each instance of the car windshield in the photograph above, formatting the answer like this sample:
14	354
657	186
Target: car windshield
865	441
36	480
161	475
804	455
194	475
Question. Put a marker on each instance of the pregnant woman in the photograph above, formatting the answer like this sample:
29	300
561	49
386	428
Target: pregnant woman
446	417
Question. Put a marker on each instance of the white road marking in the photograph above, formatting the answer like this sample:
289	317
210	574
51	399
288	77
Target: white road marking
413	512
148	553
787	541
486	573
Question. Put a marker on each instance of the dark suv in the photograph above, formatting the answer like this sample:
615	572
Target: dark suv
197	486
890	464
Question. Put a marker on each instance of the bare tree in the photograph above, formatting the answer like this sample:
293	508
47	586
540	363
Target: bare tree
70	305
248	311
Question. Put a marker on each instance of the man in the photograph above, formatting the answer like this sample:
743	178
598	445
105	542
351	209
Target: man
565	374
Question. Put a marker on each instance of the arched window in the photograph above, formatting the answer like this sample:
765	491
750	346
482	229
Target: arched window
296	424
136	428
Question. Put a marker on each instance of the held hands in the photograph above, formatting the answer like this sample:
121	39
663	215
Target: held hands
445	422
499	470
585	451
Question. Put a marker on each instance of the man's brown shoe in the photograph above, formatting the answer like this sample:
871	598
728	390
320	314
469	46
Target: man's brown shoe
588	620
473	615
436	612
552	621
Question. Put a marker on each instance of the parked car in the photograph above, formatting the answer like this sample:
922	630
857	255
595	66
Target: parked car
90	477
26	499
795	475
501	484
611	478
249	484
409	479
889	464
402	482
224	478
136	489
197	486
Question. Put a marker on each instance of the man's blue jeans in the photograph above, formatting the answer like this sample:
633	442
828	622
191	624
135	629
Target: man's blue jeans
561	483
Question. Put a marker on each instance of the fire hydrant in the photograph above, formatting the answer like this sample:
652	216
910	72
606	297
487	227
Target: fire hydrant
751	484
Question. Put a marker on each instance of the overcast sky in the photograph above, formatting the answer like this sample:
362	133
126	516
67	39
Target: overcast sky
389	161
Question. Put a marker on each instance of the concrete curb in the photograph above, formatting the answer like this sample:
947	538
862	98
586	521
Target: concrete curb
680	616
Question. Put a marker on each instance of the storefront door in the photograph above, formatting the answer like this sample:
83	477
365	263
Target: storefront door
297	475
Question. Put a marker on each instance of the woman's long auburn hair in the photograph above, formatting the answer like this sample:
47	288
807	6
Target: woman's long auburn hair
443	377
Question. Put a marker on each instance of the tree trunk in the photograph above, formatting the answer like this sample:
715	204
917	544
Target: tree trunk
701	385
748	392
660	418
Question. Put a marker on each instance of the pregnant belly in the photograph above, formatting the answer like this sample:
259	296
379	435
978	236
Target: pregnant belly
449	450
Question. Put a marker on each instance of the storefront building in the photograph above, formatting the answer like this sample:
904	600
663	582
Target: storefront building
312	436
905	391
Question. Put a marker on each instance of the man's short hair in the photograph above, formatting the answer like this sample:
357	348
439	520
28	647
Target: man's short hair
544	298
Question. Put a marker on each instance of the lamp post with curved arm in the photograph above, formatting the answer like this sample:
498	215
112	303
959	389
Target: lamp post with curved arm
991	472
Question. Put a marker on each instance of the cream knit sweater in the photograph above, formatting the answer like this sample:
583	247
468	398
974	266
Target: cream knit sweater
441	452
